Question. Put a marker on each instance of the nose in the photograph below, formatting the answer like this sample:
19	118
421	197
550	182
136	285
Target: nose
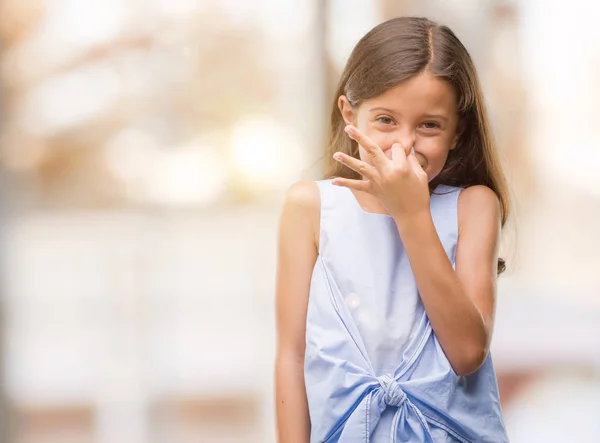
406	139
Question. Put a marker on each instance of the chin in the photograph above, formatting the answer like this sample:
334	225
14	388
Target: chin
431	176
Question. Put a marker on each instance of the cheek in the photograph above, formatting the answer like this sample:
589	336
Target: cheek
374	131
382	139
435	150
432	146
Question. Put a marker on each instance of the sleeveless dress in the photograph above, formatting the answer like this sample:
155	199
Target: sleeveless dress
374	370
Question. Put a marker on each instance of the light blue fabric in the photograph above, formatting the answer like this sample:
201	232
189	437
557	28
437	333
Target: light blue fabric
374	370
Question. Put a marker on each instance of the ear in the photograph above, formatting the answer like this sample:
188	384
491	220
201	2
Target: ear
460	128
348	112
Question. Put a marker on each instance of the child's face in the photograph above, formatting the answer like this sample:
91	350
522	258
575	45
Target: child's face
419	112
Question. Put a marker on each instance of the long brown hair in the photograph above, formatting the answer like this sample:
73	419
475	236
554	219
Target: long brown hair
397	50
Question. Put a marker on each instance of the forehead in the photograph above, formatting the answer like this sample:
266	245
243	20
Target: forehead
422	93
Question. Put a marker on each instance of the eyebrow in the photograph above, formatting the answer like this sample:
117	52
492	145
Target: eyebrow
391	111
440	116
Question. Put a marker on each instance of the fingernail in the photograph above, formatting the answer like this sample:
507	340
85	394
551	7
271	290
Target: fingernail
348	129
337	156
412	150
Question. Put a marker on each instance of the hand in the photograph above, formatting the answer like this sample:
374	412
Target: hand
400	184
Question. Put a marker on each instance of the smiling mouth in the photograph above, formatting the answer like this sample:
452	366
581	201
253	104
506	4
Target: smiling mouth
421	160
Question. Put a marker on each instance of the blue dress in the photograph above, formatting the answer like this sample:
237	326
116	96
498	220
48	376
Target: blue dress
374	370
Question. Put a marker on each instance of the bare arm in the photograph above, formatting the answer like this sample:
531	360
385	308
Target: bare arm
296	257
460	305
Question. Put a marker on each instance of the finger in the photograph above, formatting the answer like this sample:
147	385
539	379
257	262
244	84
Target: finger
355	164
398	154
359	185
368	145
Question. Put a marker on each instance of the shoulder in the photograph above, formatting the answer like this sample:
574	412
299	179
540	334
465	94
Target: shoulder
478	199
480	204
303	195
301	209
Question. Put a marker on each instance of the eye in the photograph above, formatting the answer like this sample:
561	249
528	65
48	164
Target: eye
385	120
430	125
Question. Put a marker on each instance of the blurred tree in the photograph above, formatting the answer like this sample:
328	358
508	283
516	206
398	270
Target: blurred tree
203	75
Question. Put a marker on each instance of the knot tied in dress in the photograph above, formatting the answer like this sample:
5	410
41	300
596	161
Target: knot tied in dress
394	395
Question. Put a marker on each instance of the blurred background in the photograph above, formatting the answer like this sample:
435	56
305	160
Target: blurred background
144	149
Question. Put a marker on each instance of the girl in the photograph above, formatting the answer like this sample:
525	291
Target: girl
386	278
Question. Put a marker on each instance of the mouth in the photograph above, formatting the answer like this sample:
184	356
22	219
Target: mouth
422	161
